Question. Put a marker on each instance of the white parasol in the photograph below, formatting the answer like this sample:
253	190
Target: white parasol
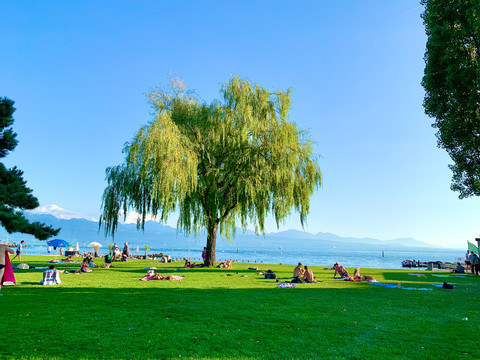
95	245
77	248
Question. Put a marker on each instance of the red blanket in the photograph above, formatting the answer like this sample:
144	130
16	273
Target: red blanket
8	273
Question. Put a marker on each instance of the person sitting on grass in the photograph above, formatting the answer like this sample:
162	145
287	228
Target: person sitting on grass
50	276
308	275
340	270
188	263
84	267
91	263
108	261
298	271
459	269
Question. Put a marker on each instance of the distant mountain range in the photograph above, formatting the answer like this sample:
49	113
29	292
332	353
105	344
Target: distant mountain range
158	235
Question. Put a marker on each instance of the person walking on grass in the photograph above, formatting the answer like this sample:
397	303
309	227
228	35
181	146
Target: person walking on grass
19	251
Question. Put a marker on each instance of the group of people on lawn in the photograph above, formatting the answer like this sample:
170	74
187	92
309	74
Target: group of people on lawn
300	273
305	275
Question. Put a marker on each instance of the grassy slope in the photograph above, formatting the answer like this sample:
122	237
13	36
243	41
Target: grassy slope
110	314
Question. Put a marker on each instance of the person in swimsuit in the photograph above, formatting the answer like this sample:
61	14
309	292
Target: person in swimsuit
298	271
308	275
340	270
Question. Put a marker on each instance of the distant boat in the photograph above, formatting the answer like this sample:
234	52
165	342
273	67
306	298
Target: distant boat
334	247
280	247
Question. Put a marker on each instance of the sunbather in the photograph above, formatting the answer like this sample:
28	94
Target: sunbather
357	277
190	264
308	275
151	275
298	271
340	270
226	265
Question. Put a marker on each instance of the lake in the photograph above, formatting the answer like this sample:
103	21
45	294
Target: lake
346	254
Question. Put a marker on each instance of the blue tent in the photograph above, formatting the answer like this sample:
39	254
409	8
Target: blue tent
58	243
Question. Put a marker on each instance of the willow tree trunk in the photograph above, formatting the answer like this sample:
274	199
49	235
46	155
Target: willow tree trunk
211	244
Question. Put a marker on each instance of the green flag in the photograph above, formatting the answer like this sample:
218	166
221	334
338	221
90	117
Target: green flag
472	247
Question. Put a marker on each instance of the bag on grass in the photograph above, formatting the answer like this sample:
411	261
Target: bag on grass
447	286
271	275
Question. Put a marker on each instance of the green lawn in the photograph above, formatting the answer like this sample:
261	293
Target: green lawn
110	314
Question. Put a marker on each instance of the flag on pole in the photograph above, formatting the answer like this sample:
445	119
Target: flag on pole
472	247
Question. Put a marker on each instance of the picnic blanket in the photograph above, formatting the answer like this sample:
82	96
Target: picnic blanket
383	284
287	285
414	288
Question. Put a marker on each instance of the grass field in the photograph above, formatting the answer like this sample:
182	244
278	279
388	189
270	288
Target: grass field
110	314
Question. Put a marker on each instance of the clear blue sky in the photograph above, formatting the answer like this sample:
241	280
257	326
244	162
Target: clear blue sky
78	71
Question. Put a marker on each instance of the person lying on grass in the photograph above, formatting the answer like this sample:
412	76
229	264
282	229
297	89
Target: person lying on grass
68	259
151	275
357	277
226	265
190	264
340	270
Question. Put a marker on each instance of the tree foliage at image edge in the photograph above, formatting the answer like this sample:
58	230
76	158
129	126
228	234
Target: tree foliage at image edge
15	196
452	85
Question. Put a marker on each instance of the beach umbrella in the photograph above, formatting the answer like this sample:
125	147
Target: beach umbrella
137	250
58	243
77	248
95	246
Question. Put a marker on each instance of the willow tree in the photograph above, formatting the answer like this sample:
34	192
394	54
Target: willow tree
234	161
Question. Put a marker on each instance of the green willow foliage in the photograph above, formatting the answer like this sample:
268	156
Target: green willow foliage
235	160
452	86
